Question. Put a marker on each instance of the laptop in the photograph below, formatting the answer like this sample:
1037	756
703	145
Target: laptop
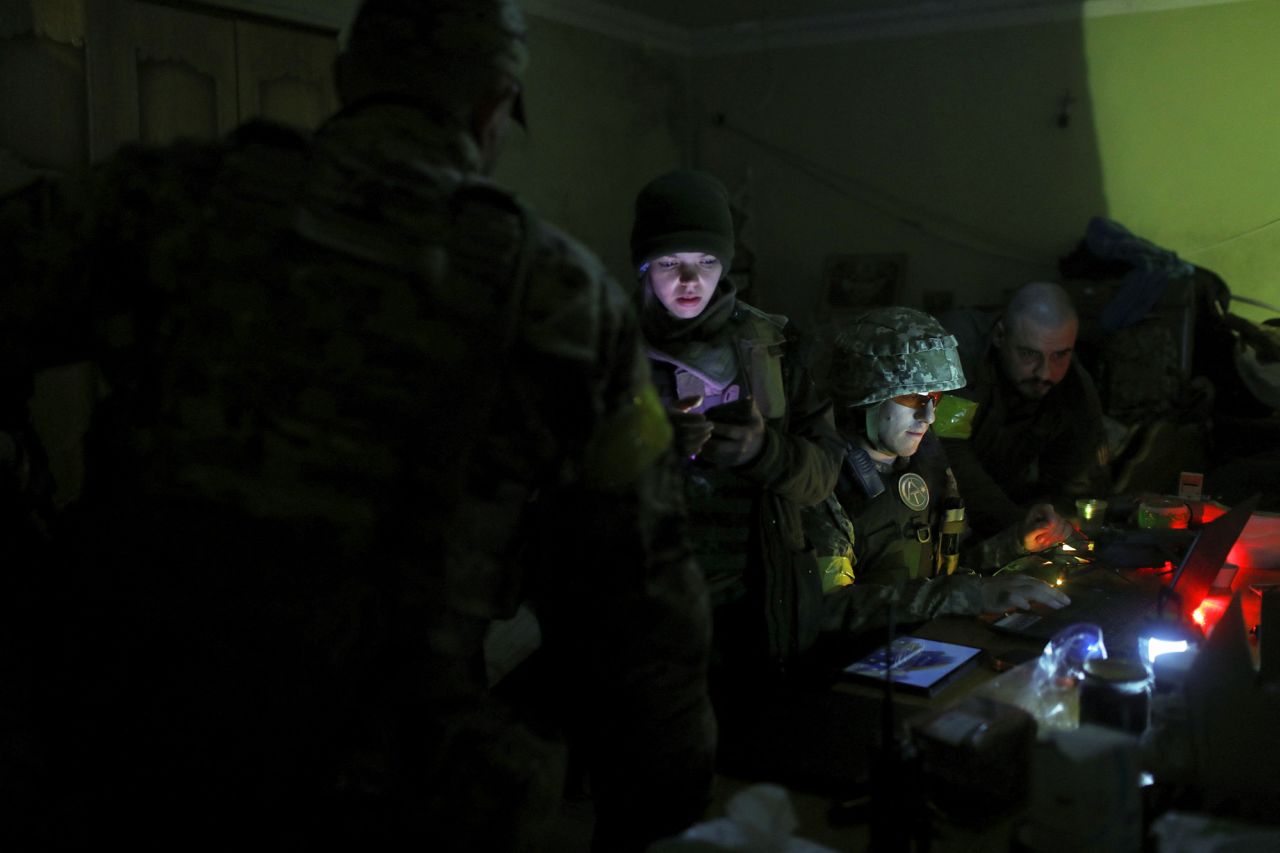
1121	612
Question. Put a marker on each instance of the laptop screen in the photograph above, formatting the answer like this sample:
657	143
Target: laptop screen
1204	559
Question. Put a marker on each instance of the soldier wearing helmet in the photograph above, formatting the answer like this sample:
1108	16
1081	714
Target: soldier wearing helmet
895	519
359	403
888	371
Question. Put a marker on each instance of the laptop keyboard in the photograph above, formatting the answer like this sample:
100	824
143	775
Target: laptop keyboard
1119	613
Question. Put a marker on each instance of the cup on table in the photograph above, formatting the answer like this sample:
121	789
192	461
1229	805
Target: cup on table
1116	692
1157	513
1092	512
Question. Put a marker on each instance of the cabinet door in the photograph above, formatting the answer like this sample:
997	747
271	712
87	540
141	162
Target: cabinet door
160	73
285	73
43	89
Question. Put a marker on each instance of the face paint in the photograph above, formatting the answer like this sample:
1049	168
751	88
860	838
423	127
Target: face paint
897	429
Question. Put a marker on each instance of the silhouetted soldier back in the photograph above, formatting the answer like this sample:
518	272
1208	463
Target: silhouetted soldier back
342	377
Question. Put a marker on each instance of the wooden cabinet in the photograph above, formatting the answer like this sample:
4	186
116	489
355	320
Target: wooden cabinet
43	88
167	72
285	74
158	73
80	78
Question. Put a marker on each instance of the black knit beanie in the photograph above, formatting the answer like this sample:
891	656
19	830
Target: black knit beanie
683	211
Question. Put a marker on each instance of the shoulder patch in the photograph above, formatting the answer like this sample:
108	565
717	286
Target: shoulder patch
628	442
914	492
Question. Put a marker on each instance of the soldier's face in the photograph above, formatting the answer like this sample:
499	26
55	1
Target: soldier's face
901	422
1034	358
685	282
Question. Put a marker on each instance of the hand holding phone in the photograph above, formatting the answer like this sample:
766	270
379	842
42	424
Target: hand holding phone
691	429
737	433
736	412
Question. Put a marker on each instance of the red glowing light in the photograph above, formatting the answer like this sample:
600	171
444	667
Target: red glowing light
1251	554
1210	610
1210	511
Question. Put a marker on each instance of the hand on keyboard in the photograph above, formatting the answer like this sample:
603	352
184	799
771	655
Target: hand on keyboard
1009	592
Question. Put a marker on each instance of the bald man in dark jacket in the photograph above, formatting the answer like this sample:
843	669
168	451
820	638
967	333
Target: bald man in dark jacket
1035	430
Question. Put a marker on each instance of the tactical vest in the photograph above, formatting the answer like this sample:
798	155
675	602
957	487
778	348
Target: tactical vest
428	282
898	531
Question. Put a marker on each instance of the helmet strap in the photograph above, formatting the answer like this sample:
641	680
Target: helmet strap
873	432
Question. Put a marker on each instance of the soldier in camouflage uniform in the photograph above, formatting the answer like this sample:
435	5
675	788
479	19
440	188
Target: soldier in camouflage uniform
892	528
357	403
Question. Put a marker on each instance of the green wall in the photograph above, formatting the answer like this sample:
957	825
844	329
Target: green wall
947	148
944	148
1187	109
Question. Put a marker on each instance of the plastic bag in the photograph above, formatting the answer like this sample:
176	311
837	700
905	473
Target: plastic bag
1048	687
760	820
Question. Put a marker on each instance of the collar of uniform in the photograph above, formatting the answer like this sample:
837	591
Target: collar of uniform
400	130
715	363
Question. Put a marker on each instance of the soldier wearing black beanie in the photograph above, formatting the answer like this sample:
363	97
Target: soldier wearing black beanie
758	440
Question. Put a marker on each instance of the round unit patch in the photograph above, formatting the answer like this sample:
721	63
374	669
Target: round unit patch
914	492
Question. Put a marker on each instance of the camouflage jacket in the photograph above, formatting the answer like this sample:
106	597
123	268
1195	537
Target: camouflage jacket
342	375
892	548
1020	451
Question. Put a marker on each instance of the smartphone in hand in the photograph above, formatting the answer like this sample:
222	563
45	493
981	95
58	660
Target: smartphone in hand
736	413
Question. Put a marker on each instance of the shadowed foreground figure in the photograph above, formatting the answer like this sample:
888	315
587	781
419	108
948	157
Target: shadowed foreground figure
357	403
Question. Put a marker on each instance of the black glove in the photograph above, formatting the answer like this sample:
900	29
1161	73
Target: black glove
692	429
737	434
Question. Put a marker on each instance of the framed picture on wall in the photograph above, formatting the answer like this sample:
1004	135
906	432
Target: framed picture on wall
852	282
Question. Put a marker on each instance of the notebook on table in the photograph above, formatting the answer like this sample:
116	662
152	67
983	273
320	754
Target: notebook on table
915	663
1120	612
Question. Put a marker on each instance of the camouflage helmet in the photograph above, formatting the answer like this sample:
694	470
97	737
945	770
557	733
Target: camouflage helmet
887	352
448	53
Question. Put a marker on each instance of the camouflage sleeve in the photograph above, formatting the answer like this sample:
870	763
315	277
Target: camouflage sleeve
861	607
44	253
47	254
73	249
77	250
996	552
800	461
628	617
